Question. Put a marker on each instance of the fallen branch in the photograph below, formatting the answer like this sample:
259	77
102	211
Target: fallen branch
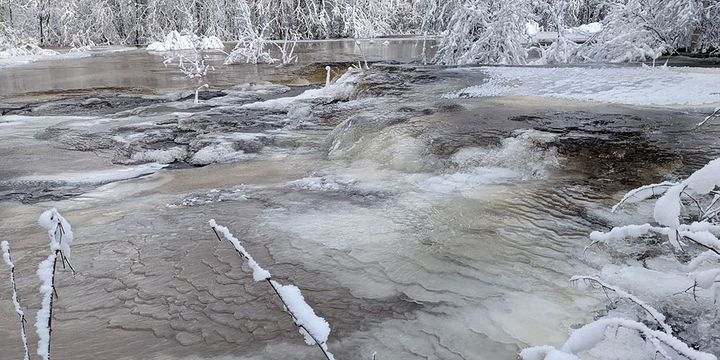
314	328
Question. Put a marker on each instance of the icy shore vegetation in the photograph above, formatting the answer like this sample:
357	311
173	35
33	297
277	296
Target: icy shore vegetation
468	31
681	262
61	237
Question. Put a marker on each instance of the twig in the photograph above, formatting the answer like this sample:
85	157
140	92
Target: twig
16	301
656	315
715	113
268	279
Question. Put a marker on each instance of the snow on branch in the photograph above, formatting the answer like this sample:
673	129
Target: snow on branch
671	221
194	68
590	335
259	274
715	114
16	302
582	281
643	193
315	329
61	237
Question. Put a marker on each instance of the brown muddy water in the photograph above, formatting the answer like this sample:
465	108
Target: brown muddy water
420	227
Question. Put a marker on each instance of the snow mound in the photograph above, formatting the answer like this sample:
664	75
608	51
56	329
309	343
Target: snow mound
211	43
173	41
25	49
659	86
161	156
532	27
591	28
343	89
185	40
218	153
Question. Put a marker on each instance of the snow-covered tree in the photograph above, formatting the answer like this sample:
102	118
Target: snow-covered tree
638	30
486	31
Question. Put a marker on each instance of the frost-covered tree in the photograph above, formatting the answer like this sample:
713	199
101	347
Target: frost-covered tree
708	37
486	31
638	30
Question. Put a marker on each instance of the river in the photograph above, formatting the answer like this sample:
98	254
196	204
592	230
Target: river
420	225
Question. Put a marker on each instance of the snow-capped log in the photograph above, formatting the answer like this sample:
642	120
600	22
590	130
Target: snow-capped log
16	302
315	329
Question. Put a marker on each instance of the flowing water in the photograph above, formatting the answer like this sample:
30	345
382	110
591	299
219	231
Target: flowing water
420	227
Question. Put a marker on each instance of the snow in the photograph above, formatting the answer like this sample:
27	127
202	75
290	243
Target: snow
6	254
211	43
59	231
160	156
620	233
532	27
707	278
25	50
304	315
643	193
100	176
259	274
589	29
654	313
45	273
342	89
704	238
705	257
185	40
622	85
590	335
667	207
545	352
217	153
18	60
706	179
16	303
173	41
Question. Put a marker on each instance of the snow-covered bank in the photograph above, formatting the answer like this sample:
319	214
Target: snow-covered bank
174	41
16	58
643	86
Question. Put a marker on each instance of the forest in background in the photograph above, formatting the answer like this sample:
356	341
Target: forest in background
470	31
